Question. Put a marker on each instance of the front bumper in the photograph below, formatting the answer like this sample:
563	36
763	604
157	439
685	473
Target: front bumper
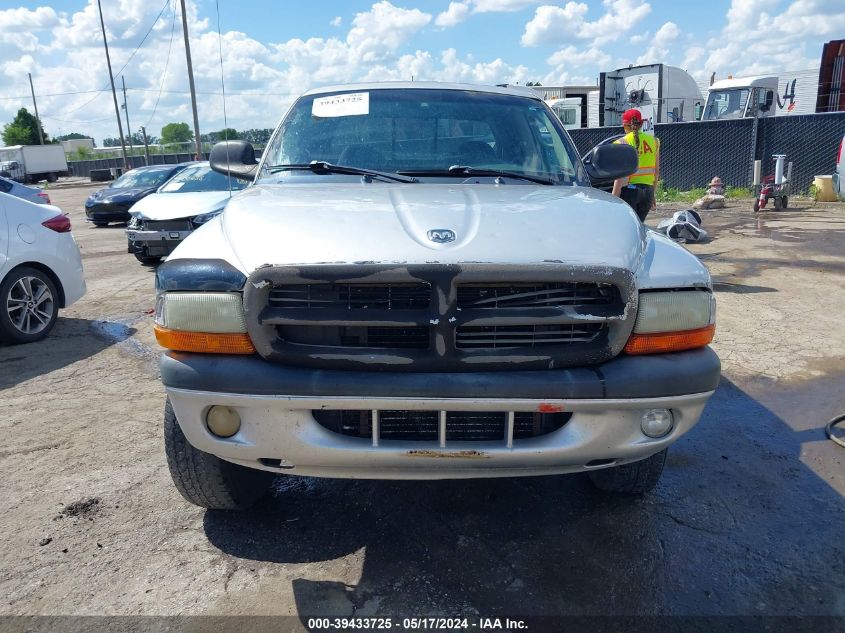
154	242
279	432
117	212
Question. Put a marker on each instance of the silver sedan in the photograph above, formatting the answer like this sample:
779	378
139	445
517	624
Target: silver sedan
32	194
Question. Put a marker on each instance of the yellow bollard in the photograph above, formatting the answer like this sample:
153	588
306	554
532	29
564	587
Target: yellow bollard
824	189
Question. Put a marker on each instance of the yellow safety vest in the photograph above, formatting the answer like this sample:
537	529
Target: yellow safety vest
648	149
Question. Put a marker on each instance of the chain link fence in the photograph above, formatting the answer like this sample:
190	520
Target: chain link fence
83	168
692	153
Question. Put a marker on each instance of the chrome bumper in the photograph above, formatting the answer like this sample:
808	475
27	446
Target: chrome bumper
279	433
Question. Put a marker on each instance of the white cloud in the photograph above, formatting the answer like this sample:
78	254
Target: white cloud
336	21
553	24
792	39
455	14
489	6
659	50
621	16
383	28
573	58
12	20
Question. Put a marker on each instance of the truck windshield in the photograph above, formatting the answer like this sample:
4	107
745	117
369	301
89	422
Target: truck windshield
201	178
726	104
424	131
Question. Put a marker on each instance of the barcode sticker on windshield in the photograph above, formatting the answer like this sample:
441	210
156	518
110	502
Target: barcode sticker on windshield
352	104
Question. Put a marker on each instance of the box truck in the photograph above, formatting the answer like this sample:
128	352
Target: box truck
31	163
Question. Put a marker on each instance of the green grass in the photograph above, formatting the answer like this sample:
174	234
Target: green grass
670	194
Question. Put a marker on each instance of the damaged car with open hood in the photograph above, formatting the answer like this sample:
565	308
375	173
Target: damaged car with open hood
422	284
162	220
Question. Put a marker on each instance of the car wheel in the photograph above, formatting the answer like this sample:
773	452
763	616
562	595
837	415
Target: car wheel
206	480
635	478
778	201
784	202
146	259
28	306
99	224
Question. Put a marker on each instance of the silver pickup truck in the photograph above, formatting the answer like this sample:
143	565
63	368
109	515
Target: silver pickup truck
422	284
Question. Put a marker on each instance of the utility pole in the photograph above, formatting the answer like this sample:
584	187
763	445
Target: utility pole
126	110
35	105
146	146
191	82
113	93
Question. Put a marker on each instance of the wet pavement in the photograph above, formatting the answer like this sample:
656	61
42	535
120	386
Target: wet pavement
747	519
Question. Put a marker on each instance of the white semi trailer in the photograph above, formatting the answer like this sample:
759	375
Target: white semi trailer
662	94
32	163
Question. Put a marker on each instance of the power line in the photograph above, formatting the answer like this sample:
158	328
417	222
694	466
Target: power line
166	62
137	48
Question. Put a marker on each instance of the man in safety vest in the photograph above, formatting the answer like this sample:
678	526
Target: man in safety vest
638	189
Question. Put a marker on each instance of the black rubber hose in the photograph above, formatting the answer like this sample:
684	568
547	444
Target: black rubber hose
829	430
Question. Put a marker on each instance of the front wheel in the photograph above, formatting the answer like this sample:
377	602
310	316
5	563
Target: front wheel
99	224
635	478
206	480
29	305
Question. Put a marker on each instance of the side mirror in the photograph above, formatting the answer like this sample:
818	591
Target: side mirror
234	158
611	161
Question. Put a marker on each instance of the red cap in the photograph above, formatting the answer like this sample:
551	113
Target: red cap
632	116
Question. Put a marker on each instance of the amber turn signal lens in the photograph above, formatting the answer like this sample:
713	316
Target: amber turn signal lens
203	342
663	342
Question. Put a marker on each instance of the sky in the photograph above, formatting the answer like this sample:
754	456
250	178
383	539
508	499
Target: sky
274	50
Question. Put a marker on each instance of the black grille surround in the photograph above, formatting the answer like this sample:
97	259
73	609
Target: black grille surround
476	317
167	225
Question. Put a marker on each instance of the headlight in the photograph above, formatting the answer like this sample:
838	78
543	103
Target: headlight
208	322
205	217
673	321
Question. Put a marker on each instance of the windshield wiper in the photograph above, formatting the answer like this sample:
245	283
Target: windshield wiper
466	170
323	167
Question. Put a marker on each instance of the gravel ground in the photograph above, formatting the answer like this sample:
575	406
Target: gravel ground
747	520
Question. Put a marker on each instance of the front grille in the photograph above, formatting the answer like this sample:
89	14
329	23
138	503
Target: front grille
166	225
351	296
424	426
433	317
508	336
374	337
488	296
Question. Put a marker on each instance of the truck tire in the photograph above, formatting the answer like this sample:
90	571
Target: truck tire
146	259
27	289
51	177
206	480
635	478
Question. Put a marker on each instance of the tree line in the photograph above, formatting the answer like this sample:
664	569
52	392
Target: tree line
23	130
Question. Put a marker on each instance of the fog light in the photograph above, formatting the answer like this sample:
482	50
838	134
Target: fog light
657	422
223	421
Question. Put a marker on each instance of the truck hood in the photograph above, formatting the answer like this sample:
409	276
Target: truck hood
171	206
381	223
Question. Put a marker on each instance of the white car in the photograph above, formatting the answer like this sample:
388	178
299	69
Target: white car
40	268
189	199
